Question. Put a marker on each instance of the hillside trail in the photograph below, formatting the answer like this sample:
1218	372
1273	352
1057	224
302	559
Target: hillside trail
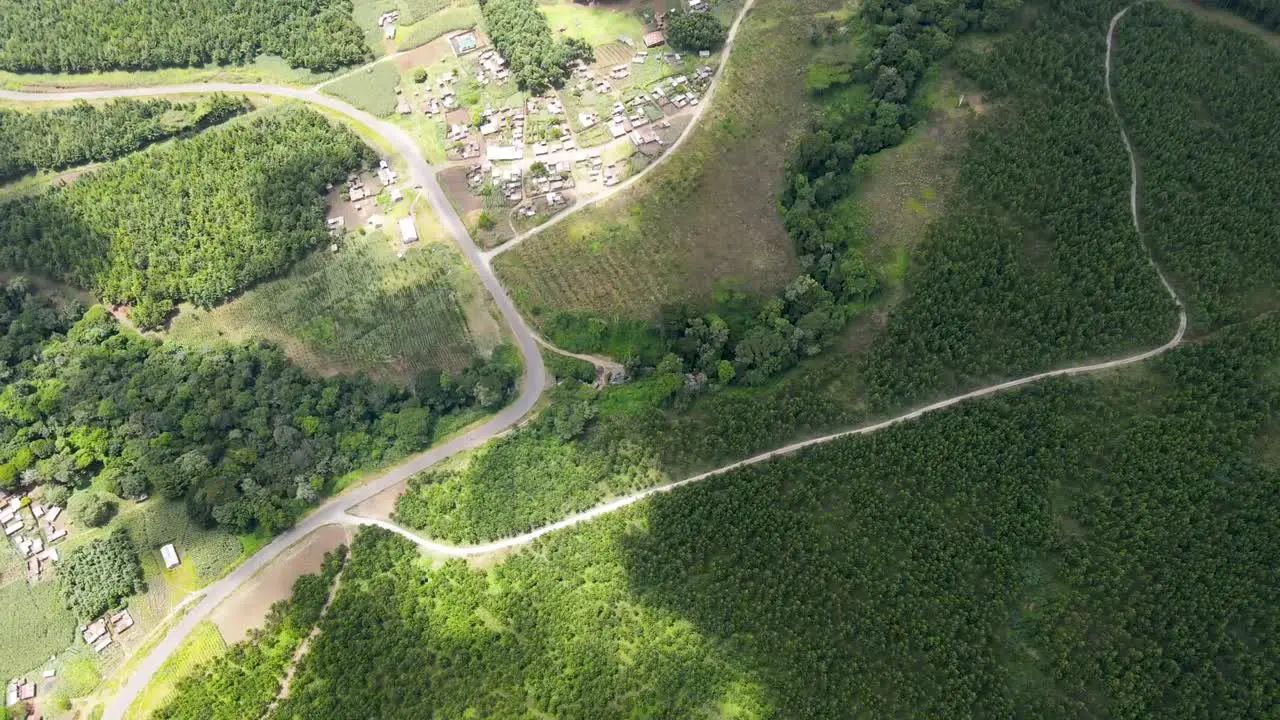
535	379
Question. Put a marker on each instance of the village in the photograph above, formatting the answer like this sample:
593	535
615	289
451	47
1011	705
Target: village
369	203
511	160
33	529
514	165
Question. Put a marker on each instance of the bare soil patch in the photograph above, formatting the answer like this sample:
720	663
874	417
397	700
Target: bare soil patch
247	608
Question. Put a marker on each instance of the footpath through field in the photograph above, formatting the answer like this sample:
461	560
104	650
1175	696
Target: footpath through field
535	379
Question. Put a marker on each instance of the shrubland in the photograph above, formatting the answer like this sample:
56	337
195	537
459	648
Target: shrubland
198	220
83	133
93	35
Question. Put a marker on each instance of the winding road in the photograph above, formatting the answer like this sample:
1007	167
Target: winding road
535	378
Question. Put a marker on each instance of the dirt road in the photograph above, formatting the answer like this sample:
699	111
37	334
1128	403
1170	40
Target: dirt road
335	509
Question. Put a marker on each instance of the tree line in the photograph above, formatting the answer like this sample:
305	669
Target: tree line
538	59
239	433
83	133
199	220
80	36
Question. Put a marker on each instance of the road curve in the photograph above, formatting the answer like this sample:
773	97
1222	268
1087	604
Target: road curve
534	381
334	510
610	506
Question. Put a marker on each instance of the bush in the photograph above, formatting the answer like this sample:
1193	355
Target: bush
695	31
98	576
92	509
420	75
56	495
486	221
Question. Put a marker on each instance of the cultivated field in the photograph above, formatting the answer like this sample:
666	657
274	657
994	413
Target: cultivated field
202	645
372	89
36	625
362	310
706	221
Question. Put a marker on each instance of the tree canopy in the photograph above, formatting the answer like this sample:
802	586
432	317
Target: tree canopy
520	33
694	31
98	576
80	36
198	220
83	133
238	432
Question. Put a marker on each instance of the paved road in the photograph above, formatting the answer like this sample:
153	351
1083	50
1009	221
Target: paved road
335	510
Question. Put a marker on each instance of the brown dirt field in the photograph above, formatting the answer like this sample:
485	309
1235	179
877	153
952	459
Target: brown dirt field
247	608
454	182
610	55
380	506
426	54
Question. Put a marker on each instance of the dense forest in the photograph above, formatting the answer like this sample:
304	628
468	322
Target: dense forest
83	133
1039	263
1070	550
197	220
243	683
520	33
92	35
1264	12
1199	102
240	433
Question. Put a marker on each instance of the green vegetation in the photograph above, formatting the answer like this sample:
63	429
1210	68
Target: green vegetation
245	680
207	552
519	31
89	35
202	647
37	625
84	133
1075	559
532	477
447	20
1264	12
199	220
372	90
92	509
98	576
241	435
361	309
694	31
1195	121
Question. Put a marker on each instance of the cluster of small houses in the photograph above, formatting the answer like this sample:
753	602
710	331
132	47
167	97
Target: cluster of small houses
364	197
431	105
38	550
98	635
